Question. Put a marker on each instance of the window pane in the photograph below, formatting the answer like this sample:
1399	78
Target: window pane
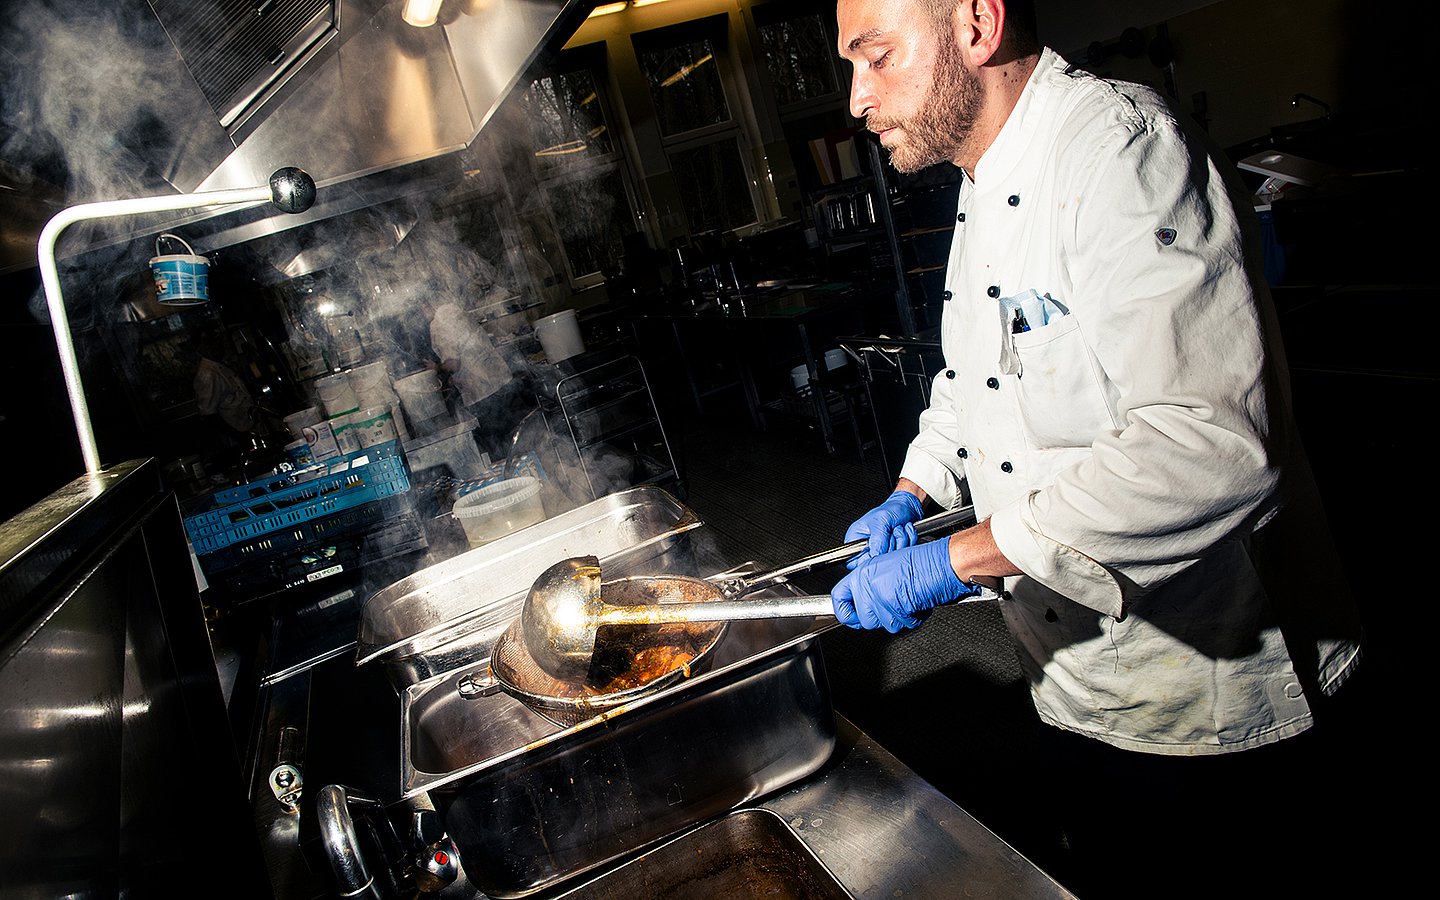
565	116
712	187
798	56
685	85
593	216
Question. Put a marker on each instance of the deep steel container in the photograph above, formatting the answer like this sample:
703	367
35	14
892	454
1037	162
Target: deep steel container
531	804
450	614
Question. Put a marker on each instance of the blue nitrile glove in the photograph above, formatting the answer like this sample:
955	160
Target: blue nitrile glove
897	590
889	526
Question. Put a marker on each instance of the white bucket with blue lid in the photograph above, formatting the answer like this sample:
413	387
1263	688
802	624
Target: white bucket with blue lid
181	279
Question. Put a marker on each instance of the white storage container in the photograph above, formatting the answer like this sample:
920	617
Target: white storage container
420	396
373	425
498	509
559	335
347	435
336	395
371	384
296	422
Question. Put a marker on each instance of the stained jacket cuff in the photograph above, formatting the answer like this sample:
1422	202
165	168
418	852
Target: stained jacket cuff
939	481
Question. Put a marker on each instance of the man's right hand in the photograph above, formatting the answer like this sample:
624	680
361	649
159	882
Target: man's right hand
889	526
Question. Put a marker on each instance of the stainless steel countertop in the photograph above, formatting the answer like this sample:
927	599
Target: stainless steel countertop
883	831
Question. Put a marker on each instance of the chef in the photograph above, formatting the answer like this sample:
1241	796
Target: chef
220	393
1115	404
476	369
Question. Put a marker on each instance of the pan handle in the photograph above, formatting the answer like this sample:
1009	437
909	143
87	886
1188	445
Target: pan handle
476	685
739	586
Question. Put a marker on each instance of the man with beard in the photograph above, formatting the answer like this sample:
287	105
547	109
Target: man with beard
1116	407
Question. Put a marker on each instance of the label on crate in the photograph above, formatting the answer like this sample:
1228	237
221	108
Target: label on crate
323	573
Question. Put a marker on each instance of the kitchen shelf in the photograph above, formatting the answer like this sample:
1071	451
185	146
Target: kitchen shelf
609	408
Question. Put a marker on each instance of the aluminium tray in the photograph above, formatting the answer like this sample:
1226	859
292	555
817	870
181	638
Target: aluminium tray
450	614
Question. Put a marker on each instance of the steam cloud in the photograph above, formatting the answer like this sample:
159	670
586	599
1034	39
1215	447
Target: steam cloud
83	108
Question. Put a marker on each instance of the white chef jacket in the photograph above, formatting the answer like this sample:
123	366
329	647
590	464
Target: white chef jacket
454	335
220	392
1134	448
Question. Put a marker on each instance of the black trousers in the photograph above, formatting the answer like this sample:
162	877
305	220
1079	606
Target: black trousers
1299	818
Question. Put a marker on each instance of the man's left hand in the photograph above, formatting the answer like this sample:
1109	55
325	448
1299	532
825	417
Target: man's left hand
897	590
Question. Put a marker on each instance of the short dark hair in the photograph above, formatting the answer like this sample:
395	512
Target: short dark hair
1020	31
210	345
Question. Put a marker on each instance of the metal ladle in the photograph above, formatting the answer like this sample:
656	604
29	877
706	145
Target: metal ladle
564	609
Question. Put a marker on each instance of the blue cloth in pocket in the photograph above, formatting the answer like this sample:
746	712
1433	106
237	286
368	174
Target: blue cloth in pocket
1024	312
1036	310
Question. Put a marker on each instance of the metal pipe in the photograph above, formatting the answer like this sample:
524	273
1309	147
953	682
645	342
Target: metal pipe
341	843
289	188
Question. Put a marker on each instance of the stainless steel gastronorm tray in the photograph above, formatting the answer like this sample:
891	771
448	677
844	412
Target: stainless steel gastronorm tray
449	615
531	804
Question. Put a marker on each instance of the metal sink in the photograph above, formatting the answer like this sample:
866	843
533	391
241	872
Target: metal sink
750	853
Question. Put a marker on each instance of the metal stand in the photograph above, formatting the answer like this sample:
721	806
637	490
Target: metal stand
609	413
903	368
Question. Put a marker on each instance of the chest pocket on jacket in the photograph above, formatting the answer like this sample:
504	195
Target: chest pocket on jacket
1062	403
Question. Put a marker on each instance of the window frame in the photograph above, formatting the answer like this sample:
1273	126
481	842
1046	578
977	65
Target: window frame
715	29
766	14
550	174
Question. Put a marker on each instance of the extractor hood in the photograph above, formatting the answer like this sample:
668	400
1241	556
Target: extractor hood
107	99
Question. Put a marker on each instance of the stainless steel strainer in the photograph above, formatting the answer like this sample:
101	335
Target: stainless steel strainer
634	662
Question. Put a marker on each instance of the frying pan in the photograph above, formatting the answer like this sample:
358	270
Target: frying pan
635	661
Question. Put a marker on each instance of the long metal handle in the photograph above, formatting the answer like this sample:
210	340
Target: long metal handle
718	610
739	586
806	606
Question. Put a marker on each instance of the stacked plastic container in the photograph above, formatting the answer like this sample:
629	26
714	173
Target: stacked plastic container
378	418
419	394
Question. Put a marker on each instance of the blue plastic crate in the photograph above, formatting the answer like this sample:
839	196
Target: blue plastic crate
286	500
274	484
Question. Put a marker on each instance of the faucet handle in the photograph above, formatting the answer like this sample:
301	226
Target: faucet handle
437	866
436	862
286	781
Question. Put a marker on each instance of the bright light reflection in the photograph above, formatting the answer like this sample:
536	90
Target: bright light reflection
562	149
421	13
686	70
